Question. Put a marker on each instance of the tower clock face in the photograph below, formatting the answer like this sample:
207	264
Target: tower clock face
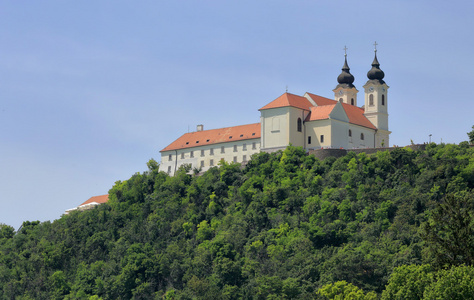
341	92
371	89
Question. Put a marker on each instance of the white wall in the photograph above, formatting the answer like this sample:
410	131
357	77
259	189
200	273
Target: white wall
336	135
183	156
273	135
295	137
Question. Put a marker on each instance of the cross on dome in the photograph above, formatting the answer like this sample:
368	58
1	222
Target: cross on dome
375	73
345	79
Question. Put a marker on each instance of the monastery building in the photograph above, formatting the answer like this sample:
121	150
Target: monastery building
309	121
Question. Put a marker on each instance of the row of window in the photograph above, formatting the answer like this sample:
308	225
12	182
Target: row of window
361	135
321	137
371	100
230	137
211	162
211	151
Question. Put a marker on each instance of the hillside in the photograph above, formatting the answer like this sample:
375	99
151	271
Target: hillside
283	227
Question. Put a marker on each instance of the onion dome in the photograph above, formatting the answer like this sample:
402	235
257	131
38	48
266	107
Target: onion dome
375	74
345	79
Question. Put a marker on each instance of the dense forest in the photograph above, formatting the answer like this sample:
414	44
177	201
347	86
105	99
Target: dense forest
391	225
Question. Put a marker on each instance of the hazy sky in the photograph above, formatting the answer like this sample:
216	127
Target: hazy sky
91	90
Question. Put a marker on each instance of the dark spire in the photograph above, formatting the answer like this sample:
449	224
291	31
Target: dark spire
375	73
345	79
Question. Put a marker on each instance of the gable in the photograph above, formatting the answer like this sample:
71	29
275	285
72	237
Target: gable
286	100
338	113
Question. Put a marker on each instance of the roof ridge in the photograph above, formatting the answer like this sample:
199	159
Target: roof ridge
215	136
224	127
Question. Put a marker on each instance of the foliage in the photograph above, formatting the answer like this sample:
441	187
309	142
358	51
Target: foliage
422	282
471	135
450	230
408	282
342	290
285	226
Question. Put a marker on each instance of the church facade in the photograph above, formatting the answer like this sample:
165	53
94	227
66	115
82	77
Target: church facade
309	121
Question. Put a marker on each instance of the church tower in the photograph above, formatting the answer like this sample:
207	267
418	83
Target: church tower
376	102
345	91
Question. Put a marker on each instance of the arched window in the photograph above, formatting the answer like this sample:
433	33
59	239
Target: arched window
352	101
371	100
340	100
350	132
299	125
383	99
362	136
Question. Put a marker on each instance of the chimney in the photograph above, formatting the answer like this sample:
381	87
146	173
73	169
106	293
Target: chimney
200	127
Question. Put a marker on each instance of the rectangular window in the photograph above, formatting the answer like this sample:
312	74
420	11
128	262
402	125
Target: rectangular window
202	153
202	163
191	154
211	162
169	169
222	149
254	145
322	138
244	147
235	159
170	157
309	140
244	158
235	148
182	155
211	151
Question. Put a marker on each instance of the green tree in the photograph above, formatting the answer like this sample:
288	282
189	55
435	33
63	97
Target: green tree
6	232
456	283
342	290
450	231
471	135
59	285
408	282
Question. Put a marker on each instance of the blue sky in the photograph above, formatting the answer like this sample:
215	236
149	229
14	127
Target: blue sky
91	90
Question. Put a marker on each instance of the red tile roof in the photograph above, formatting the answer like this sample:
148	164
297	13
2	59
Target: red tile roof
289	100
321	100
98	199
325	106
320	112
356	116
215	136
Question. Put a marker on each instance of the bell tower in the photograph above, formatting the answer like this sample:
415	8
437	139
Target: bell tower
376	102
345	91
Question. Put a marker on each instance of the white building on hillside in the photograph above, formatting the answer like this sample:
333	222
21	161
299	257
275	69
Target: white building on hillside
90	203
309	121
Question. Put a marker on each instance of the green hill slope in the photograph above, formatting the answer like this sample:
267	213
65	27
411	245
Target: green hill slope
282	227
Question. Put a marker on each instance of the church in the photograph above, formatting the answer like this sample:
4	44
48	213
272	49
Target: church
309	121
